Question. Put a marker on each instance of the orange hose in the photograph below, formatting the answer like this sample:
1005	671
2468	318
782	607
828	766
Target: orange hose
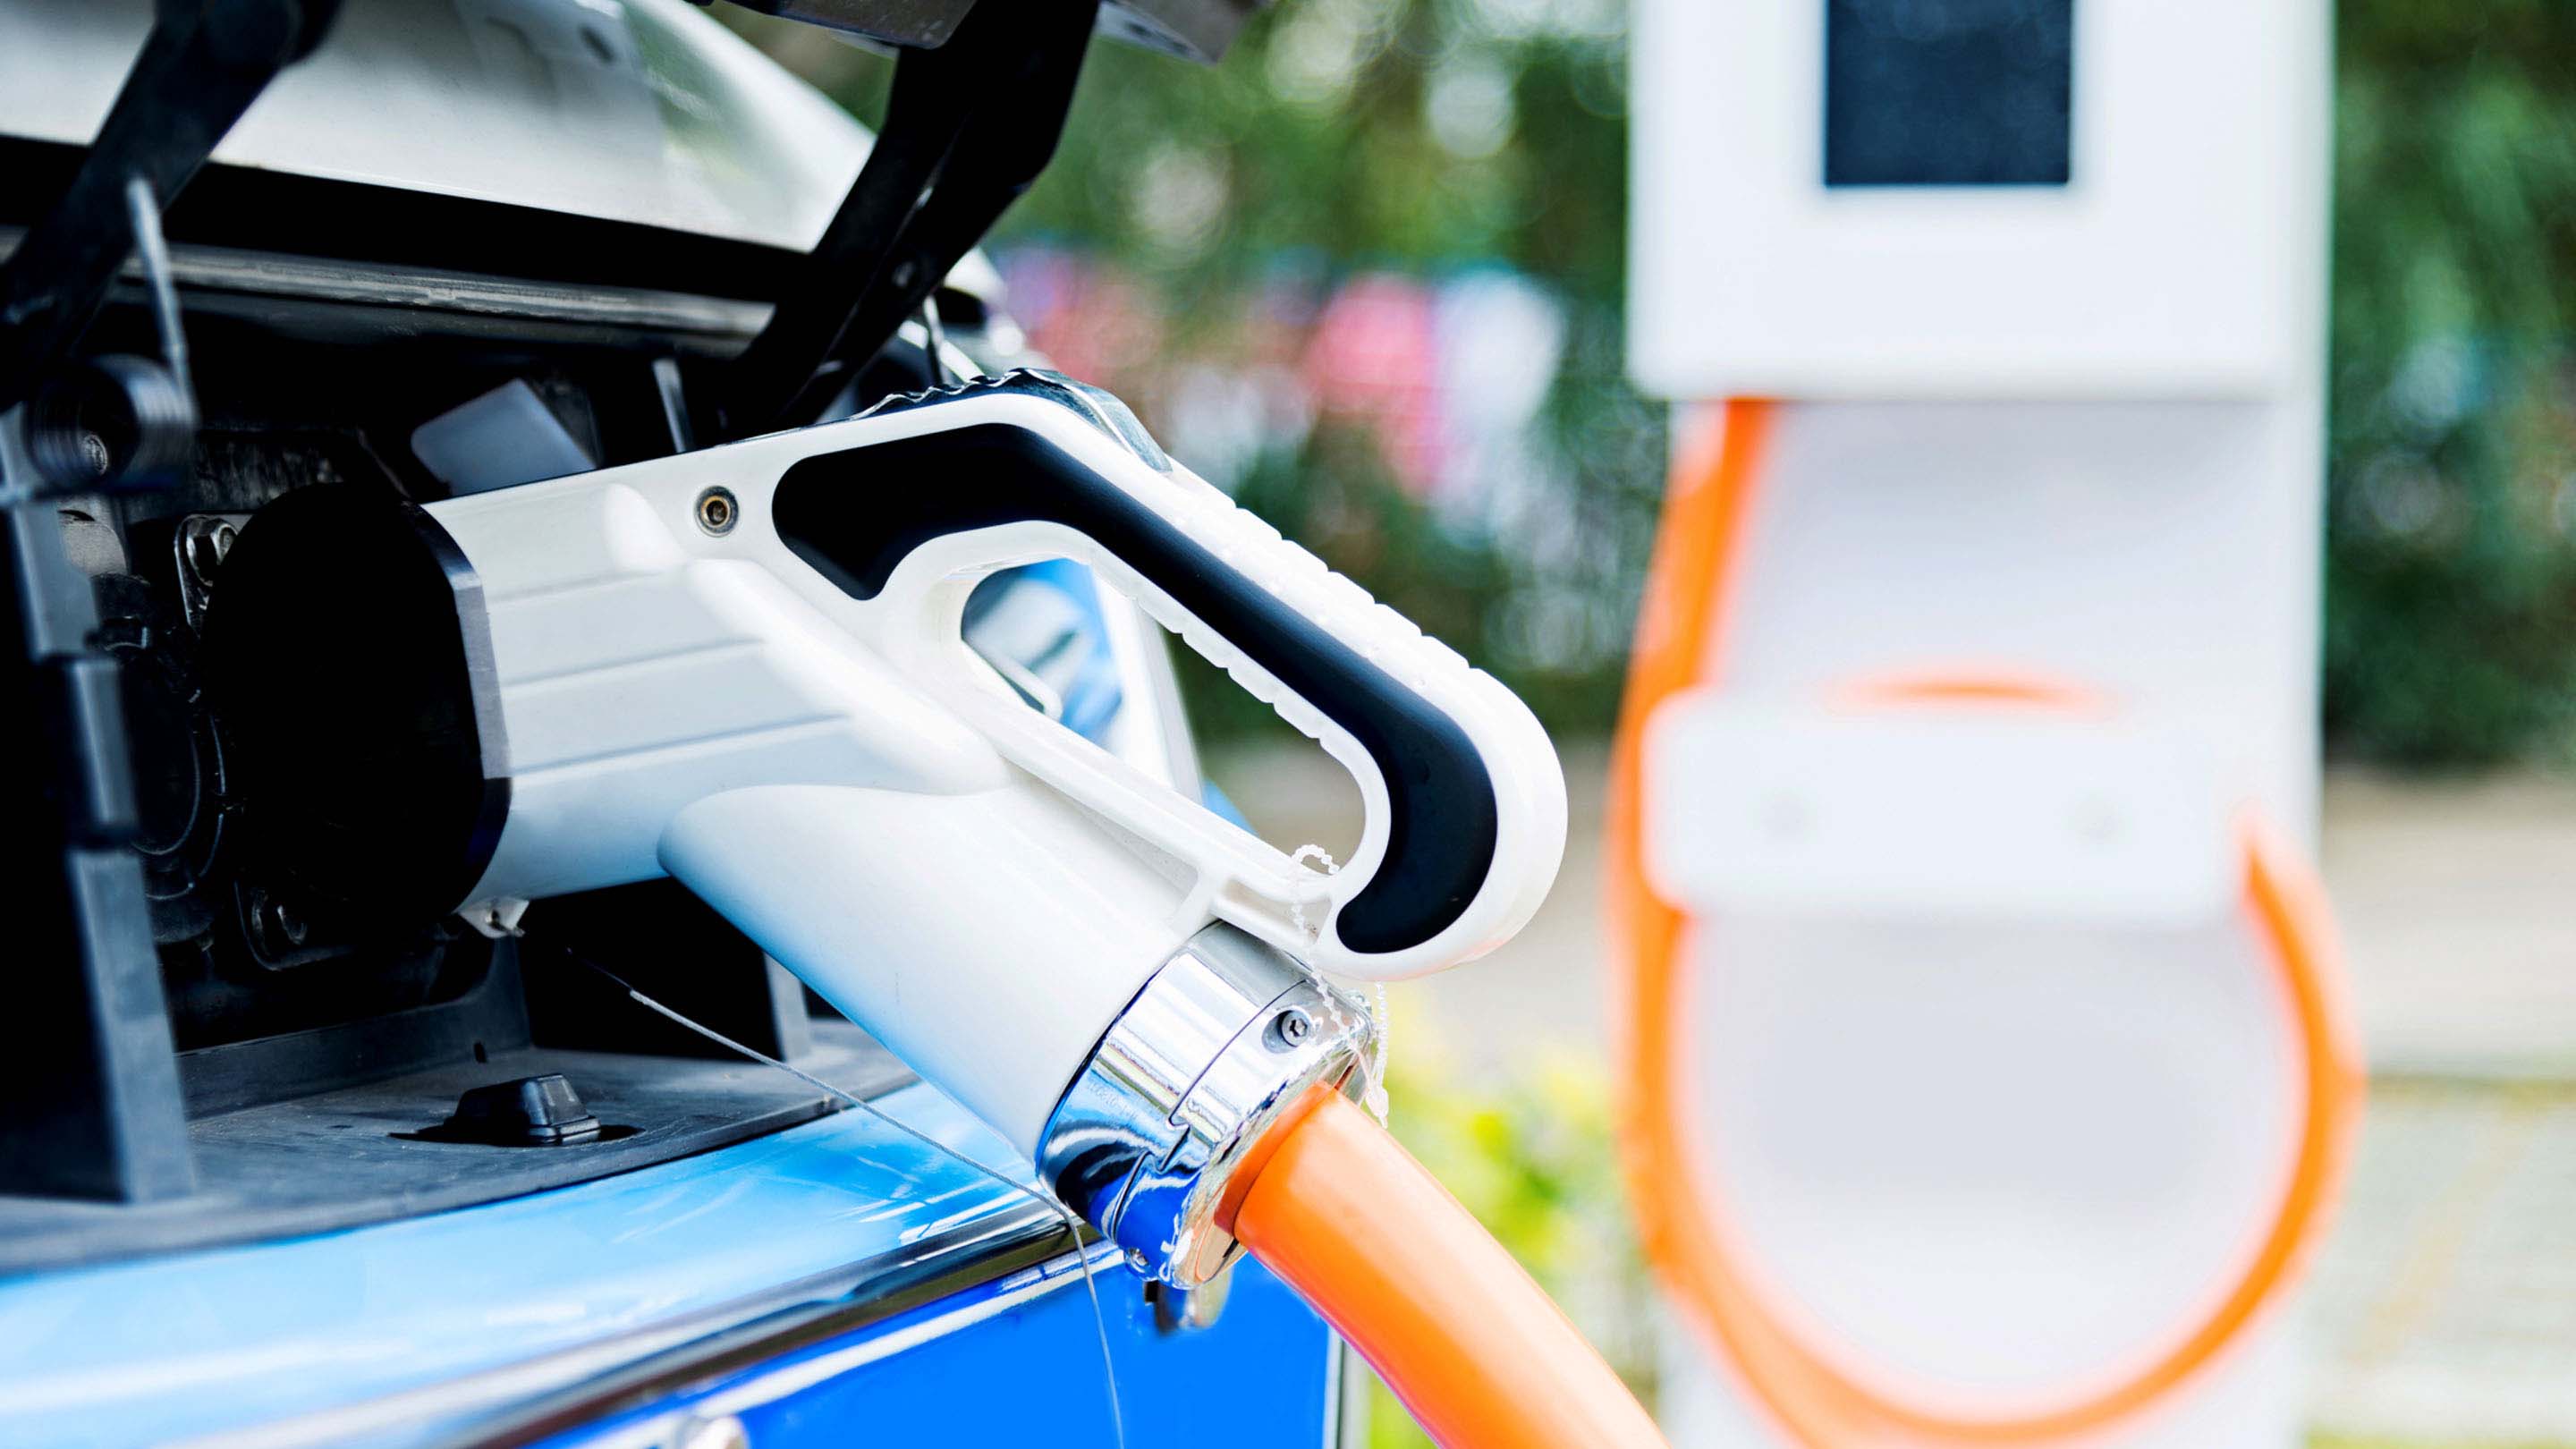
1681	638
1376	1245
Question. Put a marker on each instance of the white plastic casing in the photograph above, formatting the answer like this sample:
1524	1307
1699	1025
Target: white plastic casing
987	939
2177	261
1896	815
977	885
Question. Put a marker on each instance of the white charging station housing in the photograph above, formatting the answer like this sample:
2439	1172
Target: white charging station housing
2180	258
1988	1081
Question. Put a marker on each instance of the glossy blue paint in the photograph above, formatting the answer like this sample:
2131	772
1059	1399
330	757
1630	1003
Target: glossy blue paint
403	1331
1002	1369
1093	694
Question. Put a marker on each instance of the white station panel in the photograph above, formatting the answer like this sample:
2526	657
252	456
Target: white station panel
2021	199
1947	815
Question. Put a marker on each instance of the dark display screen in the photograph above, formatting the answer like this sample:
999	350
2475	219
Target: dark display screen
1948	92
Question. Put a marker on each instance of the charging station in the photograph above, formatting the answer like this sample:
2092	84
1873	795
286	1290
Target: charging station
1988	1073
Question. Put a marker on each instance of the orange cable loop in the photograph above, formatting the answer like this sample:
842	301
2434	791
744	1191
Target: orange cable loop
1681	626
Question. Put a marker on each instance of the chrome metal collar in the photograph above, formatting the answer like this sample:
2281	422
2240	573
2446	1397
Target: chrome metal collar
1226	1036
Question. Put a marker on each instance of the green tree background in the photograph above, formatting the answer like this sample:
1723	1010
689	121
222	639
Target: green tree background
2451	580
1426	136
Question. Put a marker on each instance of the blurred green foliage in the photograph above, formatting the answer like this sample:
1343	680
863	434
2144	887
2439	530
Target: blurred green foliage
1412	133
1430	135
1422	137
2451	579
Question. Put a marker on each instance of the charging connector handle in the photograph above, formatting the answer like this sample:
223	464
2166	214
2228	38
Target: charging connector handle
1223	1039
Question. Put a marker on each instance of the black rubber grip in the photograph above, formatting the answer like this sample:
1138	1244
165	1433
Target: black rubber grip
855	515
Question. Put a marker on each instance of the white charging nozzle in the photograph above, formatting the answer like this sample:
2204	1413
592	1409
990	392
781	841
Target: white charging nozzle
743	667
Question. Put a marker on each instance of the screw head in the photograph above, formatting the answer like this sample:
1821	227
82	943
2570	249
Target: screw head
718	512
1289	1030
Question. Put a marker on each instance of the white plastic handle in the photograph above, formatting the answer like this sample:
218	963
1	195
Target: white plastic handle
903	511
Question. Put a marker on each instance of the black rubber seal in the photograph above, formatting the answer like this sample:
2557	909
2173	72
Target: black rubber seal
350	666
855	515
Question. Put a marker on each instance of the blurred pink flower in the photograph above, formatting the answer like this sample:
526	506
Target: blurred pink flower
1374	357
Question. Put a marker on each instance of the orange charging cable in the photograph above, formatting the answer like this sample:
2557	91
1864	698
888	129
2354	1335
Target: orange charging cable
1681	641
1376	1245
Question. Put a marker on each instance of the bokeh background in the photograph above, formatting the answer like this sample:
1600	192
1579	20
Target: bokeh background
1368	275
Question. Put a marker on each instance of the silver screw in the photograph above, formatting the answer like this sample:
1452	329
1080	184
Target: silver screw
718	512
1289	1029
